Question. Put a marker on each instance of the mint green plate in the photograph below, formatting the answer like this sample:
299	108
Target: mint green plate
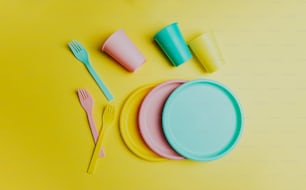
202	120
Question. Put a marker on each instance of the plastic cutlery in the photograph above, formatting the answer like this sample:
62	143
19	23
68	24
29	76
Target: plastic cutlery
107	120
81	54
87	104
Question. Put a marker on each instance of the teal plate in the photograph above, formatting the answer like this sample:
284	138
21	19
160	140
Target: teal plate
202	120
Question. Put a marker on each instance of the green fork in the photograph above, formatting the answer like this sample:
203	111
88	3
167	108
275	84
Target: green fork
81	54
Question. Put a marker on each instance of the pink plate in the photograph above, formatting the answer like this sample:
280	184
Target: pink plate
150	119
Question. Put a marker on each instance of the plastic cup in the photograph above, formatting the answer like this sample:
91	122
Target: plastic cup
206	50
172	43
122	49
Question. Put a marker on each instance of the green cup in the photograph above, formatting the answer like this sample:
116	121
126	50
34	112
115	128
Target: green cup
171	41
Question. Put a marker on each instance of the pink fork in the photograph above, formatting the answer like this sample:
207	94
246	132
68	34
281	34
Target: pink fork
87	104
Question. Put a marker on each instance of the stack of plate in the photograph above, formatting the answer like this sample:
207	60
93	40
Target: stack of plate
199	120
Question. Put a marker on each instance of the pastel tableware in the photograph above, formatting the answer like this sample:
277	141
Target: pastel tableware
129	126
172	43
150	120
122	49
81	54
202	120
108	119
87	104
206	49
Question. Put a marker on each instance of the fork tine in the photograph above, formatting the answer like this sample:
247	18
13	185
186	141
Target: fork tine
70	45
79	51
82	48
84	93
76	46
110	108
80	94
72	48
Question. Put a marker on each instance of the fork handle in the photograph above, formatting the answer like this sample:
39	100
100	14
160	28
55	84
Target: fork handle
94	130
100	83
96	151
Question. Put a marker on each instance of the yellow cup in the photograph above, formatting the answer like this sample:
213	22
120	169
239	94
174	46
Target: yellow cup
206	50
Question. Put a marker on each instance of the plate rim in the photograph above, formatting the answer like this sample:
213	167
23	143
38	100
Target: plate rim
238	110
144	104
122	122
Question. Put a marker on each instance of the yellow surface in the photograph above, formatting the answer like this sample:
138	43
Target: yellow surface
45	140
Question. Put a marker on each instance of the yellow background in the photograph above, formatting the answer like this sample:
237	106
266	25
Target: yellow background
45	142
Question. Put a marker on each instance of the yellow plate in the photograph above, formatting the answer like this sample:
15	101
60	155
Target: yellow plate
129	125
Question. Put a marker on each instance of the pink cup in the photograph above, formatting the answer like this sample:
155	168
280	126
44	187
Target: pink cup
121	48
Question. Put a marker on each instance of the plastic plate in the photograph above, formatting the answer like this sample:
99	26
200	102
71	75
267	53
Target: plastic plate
150	120
129	127
202	120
